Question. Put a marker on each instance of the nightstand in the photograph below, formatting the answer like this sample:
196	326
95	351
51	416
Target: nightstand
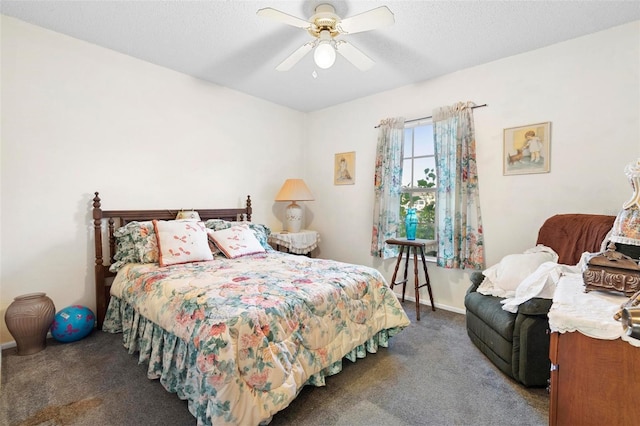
302	242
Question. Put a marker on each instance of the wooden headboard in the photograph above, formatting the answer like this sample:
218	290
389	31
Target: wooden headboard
117	218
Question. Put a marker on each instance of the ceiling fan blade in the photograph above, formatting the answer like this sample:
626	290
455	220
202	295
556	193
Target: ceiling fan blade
271	13
295	57
354	55
370	20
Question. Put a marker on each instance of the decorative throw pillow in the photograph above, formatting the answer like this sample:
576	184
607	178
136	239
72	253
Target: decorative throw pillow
125	252
212	244
144	239
138	241
261	232
181	242
239	240
503	279
135	243
218	224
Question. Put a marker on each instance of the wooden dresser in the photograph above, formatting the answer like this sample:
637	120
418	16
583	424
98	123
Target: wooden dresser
593	381
595	366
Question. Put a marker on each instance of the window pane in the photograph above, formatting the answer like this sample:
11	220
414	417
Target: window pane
420	177
423	136
426	216
406	173
408	140
425	205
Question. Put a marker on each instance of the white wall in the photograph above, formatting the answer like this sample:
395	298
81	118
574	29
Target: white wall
77	118
588	88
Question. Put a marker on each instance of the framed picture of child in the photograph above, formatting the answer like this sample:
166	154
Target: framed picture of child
344	168
527	149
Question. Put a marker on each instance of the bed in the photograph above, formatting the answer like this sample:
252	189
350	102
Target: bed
237	336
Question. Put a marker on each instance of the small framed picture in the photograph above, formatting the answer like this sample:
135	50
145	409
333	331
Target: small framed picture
345	168
526	149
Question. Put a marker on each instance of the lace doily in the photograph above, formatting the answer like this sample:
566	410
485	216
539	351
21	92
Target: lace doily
589	313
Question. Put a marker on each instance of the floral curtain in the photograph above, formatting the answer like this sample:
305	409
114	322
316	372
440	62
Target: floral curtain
460	238
387	185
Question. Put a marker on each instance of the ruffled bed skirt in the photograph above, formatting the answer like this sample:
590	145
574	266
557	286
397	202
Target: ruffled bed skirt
173	361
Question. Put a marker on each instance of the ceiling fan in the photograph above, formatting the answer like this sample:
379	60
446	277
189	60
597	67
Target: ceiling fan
325	26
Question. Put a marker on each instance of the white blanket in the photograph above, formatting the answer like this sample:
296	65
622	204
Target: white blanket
541	283
502	279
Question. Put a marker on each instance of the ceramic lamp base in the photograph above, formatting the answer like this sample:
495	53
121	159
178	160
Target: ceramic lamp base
294	217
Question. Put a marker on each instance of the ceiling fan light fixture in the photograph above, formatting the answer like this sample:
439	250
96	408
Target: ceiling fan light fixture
324	26
324	55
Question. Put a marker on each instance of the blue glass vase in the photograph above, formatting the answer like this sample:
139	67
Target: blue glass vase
411	224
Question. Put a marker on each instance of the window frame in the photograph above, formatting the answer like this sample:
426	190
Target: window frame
412	191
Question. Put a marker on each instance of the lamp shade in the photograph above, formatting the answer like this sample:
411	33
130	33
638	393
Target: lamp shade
187	214
626	228
294	190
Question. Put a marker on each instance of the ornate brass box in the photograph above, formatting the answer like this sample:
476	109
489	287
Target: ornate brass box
612	271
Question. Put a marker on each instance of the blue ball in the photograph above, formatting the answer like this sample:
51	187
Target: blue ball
72	323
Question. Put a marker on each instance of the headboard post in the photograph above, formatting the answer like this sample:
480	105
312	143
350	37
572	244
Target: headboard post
101	300
97	227
249	210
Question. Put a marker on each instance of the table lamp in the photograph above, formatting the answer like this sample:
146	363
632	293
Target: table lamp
294	190
188	215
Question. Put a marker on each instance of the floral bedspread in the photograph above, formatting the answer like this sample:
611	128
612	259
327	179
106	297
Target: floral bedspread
239	338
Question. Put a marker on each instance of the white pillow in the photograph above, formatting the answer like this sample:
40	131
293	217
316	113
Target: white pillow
212	244
503	279
239	240
181	241
541	283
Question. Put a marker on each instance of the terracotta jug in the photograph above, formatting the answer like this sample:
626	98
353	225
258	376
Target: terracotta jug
28	319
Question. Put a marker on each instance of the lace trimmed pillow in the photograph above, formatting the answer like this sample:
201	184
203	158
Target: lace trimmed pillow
236	241
181	242
260	231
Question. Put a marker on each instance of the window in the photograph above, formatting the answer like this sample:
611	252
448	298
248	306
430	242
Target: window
419	180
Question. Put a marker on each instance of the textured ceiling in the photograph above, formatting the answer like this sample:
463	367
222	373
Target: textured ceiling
226	43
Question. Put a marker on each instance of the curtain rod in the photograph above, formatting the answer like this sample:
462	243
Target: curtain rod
424	118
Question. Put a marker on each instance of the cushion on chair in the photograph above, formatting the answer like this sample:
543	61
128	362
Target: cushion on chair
503	278
570	235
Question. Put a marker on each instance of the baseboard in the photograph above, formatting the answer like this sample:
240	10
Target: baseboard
8	345
438	305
